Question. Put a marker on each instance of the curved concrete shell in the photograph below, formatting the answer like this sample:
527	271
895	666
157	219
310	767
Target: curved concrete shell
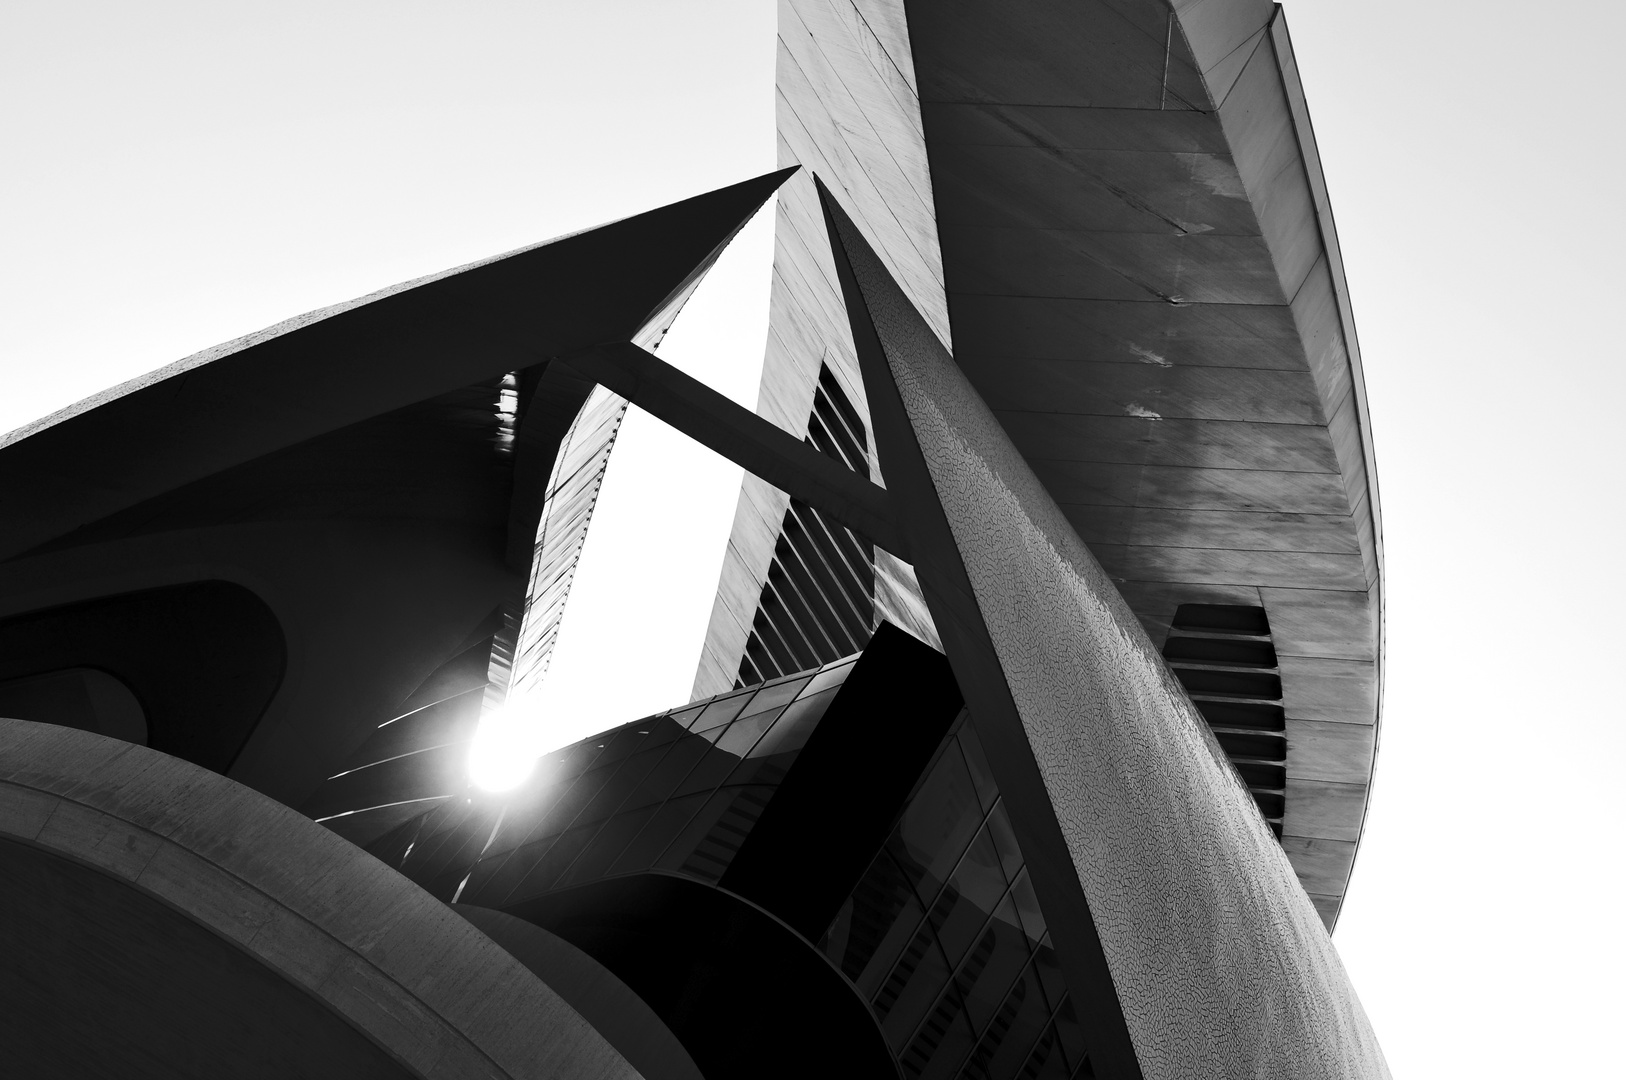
139	843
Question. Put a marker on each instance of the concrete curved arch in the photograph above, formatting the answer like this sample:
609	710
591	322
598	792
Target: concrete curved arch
414	977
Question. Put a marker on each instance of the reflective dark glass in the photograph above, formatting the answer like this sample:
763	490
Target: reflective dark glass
1046	1062
776	694
965	903
977	762
743	733
1004	837
663	782
720	712
1027	907
795	724
572	801
685	717
546	870
618	744
612	796
885	913
1048	966
938	823
1010	1034
721	842
711	770
833	675
607	846
766	770
508	871
912	987
940	1044
657	834
992	965
679	854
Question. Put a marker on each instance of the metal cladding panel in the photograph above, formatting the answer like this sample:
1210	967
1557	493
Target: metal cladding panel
578	474
1218	957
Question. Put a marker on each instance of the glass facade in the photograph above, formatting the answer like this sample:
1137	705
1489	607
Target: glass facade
942	936
677	792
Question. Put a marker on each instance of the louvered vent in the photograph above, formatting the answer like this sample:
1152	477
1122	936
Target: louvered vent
817	604
1224	657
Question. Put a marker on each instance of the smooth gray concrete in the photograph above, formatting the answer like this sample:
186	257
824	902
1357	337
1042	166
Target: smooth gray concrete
367	946
606	1002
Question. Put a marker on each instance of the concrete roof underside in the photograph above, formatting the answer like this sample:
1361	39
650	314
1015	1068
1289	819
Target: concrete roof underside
1143	282
373	473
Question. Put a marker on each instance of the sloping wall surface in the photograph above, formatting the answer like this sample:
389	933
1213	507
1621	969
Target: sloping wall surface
1220	963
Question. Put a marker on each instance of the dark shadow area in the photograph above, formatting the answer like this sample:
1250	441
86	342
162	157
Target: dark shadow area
744	993
203	660
101	980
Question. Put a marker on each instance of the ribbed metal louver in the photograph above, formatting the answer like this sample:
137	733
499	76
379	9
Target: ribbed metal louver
818	601
1224	657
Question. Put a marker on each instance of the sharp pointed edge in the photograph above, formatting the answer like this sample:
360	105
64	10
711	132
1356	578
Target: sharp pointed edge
340	365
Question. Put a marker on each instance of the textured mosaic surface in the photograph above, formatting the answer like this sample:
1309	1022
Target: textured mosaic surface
1222	966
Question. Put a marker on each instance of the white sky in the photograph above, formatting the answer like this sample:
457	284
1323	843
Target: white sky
178	174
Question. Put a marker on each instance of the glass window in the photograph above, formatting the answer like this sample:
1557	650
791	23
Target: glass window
969	898
720	712
743	733
938	823
669	772
1011	1034
509	871
770	771
661	829
740	807
572	801
1048	967
678	854
1046	1061
832	676
992	966
999	827
940	1044
912	987
885	915
776	694
613	746
977	761
555	861
613	794
685	717
795	725
454	851
709	772
611	840
1027	907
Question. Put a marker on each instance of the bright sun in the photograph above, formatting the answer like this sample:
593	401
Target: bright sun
505	749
